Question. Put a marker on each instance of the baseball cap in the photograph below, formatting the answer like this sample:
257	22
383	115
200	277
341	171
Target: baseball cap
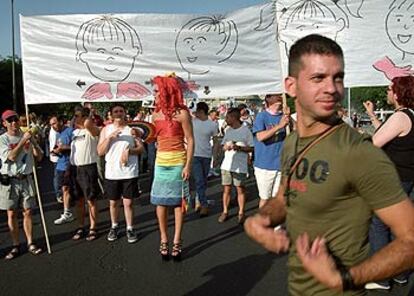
8	113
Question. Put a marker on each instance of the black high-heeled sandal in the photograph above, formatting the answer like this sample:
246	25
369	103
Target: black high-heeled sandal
176	251
164	251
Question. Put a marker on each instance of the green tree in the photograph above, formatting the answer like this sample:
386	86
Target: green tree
377	95
6	84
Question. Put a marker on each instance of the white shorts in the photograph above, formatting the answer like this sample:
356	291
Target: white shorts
267	182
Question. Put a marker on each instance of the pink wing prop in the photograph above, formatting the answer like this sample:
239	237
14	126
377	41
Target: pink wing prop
390	70
131	90
98	90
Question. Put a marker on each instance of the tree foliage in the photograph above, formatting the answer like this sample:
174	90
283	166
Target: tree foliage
377	95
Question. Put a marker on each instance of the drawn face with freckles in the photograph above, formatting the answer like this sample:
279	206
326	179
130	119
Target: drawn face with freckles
400	27
110	60
197	49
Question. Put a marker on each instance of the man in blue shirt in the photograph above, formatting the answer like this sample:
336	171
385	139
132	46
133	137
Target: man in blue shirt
269	134
62	150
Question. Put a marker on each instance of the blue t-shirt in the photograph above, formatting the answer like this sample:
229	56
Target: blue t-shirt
64	138
267	153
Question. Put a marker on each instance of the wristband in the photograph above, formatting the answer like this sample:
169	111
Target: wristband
347	280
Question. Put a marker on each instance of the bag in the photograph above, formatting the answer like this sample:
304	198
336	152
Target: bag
4	180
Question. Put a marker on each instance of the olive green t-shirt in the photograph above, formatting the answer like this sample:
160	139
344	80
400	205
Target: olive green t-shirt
333	193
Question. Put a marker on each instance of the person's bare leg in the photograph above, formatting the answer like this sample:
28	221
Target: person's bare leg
27	225
226	198
114	211
162	215
241	198
179	219
13	226
80	212
93	213
66	198
128	212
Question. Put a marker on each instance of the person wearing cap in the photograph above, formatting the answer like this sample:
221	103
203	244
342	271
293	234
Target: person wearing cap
18	151
269	133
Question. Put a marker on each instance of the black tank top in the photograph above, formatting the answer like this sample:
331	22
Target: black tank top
401	151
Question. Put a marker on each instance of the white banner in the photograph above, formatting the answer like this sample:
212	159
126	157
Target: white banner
69	58
113	57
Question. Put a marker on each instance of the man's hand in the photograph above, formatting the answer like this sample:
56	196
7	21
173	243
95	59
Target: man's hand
26	137
259	229
284	121
115	134
318	262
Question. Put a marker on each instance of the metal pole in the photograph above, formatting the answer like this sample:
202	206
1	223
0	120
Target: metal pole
13	59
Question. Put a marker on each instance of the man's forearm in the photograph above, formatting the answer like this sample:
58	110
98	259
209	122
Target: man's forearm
14	152
389	261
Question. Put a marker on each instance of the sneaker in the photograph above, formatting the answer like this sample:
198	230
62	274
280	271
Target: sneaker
112	234
400	282
203	212
64	218
131	236
377	286
59	199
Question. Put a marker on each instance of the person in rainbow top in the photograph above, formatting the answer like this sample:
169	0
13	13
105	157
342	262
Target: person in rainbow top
173	162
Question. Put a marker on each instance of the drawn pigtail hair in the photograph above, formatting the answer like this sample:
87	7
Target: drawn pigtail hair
267	16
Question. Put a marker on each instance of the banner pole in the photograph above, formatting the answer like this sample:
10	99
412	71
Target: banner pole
39	200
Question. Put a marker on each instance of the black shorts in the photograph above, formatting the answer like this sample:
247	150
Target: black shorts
87	181
68	178
125	188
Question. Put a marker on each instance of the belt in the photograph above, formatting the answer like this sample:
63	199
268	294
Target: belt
20	176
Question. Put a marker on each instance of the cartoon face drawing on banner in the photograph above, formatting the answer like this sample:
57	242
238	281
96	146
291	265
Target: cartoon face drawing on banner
304	17
399	25
205	40
108	46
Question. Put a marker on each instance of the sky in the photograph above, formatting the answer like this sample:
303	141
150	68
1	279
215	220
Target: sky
52	7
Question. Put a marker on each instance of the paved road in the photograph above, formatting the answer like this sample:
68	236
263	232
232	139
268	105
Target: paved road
218	258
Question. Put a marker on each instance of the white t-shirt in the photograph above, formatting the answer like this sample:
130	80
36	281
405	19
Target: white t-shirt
24	160
113	168
83	148
203	131
236	161
53	135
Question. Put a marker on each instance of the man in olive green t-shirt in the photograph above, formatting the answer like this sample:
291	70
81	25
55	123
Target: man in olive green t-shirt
333	180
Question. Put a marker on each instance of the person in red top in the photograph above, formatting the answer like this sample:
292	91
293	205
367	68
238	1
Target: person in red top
174	159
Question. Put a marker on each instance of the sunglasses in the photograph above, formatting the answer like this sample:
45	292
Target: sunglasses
12	119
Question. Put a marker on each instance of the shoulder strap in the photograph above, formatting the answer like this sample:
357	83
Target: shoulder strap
308	147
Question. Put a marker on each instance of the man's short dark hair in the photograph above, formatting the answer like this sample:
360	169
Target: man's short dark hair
116	105
202	106
234	112
311	44
242	106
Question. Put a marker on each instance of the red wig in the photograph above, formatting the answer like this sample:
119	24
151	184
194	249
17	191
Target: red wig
403	87
170	96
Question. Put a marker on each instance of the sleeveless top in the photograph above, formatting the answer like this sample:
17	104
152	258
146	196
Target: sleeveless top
170	135
113	168
83	148
401	151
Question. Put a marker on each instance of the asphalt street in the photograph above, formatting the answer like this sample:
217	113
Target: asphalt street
218	259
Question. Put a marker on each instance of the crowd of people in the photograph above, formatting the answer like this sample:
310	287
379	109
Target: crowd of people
319	179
